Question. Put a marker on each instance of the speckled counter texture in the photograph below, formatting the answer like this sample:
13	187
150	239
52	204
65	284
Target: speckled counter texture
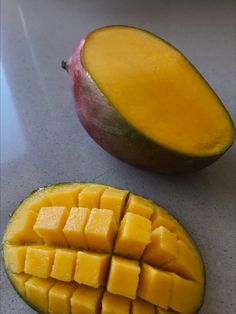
43	141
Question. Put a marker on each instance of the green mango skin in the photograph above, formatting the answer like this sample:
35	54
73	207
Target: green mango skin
116	135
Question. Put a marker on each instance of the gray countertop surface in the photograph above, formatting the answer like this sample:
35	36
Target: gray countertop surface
42	141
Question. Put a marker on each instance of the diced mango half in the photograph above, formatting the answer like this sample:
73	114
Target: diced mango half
39	261
114	199
118	253
15	258
64	265
91	269
140	306
37	291
86	300
133	236
74	227
163	247
100	230
123	277
49	225
90	196
59	297
115	304
140	206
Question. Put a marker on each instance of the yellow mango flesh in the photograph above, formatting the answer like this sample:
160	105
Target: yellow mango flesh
59	298
161	217
39	261
22	229
135	233
139	205
16	258
90	196
155	286
19	281
91	269
134	264
114	199
49	224
185	264
146	79
86	300
37	291
184	295
123	277
163	247
64	265
66	195
100	230
115	304
74	227
140	306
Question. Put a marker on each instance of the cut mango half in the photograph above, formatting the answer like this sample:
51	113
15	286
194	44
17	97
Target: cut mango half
67	258
146	79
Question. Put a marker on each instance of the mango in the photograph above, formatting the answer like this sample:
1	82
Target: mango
140	99
131	257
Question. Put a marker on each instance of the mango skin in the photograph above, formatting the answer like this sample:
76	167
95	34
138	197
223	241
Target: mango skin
116	135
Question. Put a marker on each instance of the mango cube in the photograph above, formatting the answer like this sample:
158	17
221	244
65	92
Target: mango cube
114	199
74	227
21	230
39	260
89	197
86	300
161	217
163	247
140	206
19	281
15	257
49	225
100	230
59	297
140	306
186	295
115	304
64	265
186	264
66	196
36	290
123	277
133	236
155	286
91	269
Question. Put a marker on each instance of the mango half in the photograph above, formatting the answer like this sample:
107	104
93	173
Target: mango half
141	100
87	248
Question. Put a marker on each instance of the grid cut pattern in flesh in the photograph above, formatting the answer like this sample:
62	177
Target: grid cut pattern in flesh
97	249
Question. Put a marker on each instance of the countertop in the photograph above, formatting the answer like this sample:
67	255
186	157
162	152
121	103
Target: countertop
43	142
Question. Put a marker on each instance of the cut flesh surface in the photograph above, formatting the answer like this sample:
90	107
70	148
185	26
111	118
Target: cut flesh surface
140	269
147	80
